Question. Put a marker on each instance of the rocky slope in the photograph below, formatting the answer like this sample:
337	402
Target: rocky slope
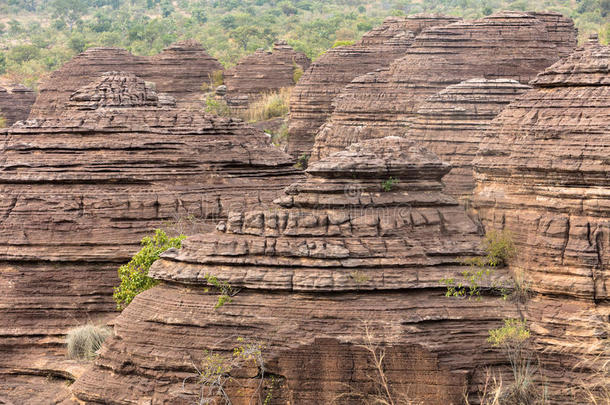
79	191
15	102
452	123
262	72
311	102
180	71
543	174
509	45
336	256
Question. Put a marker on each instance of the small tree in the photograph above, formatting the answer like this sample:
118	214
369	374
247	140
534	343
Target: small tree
134	275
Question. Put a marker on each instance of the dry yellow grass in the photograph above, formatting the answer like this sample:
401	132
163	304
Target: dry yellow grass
269	105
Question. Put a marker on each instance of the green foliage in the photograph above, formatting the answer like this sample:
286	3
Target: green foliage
270	105
343	43
499	249
134	275
23	53
513	333
217	106
388	184
2	63
226	291
302	161
297	73
83	342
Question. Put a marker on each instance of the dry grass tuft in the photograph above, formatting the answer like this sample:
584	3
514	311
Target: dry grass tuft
269	105
84	341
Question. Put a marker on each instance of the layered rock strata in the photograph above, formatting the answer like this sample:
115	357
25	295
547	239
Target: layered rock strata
339	254
15	103
263	72
451	124
543	174
78	192
509	45
311	102
180	71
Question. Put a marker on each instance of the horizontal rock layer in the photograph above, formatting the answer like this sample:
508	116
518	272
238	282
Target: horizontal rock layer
509	45
263	72
180	71
78	192
339	254
311	102
15	103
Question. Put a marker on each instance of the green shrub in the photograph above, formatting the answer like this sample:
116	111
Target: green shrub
217	106
297	73
343	43
134	275
217	78
83	342
302	161
388	185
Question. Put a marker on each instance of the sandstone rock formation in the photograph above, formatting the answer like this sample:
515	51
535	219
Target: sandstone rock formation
15	102
79	191
543	173
263	72
510	45
336	252
311	100
180	71
451	124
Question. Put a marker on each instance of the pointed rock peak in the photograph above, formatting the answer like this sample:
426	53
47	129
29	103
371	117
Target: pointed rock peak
118	90
392	156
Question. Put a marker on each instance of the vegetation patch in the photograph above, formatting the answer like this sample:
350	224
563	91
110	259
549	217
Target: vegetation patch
83	342
269	105
134	275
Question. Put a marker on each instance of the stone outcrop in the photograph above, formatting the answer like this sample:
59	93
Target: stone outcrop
509	45
15	102
451	124
180	71
79	191
262	72
340	250
543	174
311	102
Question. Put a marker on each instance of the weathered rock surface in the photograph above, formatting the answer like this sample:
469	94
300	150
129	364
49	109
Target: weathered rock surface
509	45
79	191
311	102
543	173
15	102
451	124
262	72
180	71
334	253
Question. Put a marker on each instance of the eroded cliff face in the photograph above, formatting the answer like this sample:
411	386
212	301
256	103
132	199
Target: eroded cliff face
508	45
336	253
180	71
263	72
543	174
311	102
15	102
79	191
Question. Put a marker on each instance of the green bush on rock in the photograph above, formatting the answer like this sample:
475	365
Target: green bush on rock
134	275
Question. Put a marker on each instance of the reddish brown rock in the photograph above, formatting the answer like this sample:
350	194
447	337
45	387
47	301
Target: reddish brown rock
311	102
543	174
15	102
263	72
335	252
180	71
509	45
452	124
78	192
